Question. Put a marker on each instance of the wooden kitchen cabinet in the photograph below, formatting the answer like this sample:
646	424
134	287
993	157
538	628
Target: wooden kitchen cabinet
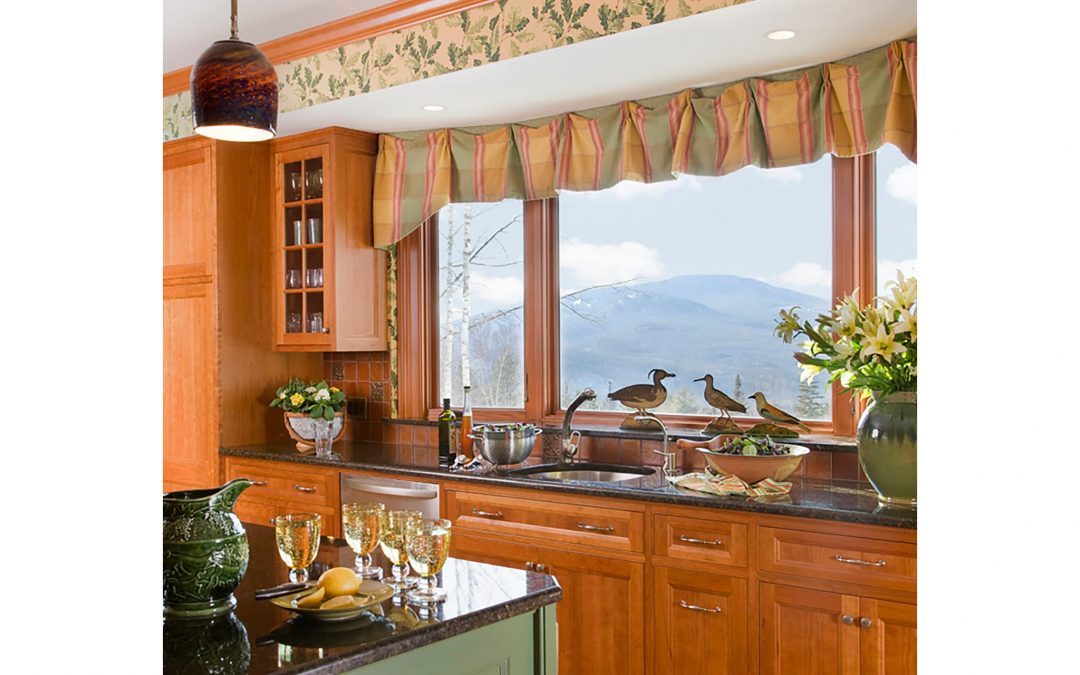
220	369
280	489
699	623
329	281
821	632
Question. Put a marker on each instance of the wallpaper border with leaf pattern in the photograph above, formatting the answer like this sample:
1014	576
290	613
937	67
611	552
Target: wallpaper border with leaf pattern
482	35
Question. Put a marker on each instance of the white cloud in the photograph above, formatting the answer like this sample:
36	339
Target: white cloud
903	183
592	264
499	291
803	276
784	174
631	189
886	271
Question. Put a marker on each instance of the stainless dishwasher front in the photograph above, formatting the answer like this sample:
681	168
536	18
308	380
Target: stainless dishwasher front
395	493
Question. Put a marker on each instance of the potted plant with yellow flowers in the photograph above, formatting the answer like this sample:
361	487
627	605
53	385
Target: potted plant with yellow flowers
314	412
871	350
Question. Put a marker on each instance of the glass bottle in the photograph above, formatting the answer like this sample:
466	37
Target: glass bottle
446	434
466	426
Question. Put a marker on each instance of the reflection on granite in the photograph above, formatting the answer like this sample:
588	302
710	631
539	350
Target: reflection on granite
826	499
259	637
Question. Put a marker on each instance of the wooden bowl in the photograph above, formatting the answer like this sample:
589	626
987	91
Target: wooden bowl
753	468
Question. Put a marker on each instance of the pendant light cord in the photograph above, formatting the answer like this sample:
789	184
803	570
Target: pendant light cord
234	35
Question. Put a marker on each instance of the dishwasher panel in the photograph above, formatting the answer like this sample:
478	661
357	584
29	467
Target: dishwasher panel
395	493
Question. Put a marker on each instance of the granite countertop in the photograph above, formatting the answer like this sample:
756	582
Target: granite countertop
258	637
824	499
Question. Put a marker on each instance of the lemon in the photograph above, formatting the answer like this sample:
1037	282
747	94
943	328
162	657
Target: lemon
339	581
312	600
340	602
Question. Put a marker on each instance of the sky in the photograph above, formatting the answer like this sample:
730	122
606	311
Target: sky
773	225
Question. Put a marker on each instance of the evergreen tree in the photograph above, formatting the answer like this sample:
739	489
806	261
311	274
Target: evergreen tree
810	404
737	392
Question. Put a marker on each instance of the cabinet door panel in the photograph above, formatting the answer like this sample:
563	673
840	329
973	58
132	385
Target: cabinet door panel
691	636
600	624
478	549
802	632
888	643
188	214
190	390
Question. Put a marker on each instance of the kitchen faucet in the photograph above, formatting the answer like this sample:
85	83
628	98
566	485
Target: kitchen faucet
569	440
671	459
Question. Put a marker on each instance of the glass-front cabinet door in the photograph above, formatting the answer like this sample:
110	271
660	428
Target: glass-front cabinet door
303	251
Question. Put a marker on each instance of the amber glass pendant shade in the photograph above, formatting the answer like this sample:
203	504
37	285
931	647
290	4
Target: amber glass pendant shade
234	93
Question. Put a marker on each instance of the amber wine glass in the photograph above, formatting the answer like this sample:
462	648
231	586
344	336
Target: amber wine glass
297	537
392	542
362	523
428	544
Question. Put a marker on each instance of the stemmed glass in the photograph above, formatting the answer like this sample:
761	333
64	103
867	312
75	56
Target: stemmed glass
362	523
392	542
428	545
297	536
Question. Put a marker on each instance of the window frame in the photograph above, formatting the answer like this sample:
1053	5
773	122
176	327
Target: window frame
853	261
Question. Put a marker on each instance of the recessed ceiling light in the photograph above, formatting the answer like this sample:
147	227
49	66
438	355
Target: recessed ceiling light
434	108
784	34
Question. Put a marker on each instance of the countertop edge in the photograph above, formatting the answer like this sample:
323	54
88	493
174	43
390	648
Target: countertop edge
600	490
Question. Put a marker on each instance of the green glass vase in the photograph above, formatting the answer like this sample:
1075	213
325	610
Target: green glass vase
887	436
205	550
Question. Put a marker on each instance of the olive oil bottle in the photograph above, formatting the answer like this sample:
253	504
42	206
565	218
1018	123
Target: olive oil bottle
446	434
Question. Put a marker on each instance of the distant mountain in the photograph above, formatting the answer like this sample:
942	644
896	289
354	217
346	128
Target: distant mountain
689	325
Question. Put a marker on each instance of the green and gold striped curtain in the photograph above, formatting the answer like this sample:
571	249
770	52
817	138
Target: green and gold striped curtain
847	108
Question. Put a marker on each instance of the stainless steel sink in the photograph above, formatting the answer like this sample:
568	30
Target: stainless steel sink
584	471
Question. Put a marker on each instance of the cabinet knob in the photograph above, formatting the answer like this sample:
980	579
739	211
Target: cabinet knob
326	330
531	566
848	620
864	622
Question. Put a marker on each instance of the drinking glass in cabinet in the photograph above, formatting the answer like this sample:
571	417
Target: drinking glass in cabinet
316	322
292	279
314	230
297	233
313	183
293	324
315	277
292	183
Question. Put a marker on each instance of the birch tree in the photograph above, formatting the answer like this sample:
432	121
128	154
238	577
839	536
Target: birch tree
466	261
446	354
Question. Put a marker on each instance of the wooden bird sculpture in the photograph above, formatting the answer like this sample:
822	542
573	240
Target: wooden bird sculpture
774	414
718	399
642	397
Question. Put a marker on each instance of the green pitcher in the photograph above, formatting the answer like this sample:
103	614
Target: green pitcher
205	550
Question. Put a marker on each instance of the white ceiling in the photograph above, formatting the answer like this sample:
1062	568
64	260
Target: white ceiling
711	48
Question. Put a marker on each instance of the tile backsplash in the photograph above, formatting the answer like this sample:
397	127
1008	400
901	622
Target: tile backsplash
362	375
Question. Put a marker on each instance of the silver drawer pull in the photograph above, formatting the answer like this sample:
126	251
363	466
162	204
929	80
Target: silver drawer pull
596	528
856	561
259	483
487	514
686	605
707	542
302	488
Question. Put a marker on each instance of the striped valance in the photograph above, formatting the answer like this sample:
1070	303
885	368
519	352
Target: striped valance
846	108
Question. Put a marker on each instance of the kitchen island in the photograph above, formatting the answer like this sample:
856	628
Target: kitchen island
493	617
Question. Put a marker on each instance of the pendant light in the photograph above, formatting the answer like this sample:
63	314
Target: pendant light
234	91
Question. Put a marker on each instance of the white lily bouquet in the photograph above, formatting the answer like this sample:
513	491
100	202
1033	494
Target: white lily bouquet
869	349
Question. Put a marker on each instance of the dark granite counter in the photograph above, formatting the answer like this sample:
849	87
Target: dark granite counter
259	637
825	499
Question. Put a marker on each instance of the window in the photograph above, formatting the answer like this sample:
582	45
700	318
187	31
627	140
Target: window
481	300
897	195
688	276
595	289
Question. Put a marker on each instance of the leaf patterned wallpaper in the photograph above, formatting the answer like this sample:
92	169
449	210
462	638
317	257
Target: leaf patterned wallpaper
487	34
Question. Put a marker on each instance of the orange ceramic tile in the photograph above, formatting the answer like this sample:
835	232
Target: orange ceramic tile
363	371
350	371
376	371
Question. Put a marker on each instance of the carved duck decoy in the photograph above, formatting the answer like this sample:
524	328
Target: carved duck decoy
718	399
774	414
642	397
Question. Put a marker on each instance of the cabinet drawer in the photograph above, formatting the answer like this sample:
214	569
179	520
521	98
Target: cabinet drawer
699	540
259	513
558	521
297	484
872	562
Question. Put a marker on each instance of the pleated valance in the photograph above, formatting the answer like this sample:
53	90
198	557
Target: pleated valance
847	108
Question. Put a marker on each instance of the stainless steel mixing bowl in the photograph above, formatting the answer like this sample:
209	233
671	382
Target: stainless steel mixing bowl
505	444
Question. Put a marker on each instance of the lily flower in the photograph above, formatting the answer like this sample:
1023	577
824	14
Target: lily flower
788	325
883	344
906	324
904	290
